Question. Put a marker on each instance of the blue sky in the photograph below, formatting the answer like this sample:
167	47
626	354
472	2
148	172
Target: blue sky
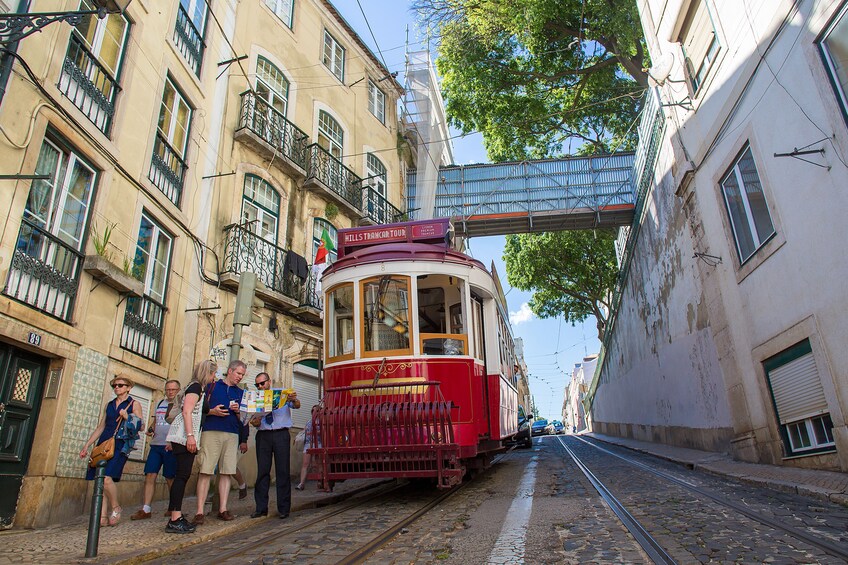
551	347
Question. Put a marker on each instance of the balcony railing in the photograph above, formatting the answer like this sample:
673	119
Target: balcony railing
44	272
89	84
377	209
167	169
143	323
330	172
271	126
246	251
189	40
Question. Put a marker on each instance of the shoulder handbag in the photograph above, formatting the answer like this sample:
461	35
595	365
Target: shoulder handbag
106	450
177	433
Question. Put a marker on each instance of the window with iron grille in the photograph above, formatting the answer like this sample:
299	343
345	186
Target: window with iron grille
833	45
190	31
145	316
92	65
799	400
168	163
376	102
283	8
45	266
700	44
746	206
333	56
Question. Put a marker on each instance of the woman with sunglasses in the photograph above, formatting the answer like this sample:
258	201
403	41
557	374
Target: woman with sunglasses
117	411
202	376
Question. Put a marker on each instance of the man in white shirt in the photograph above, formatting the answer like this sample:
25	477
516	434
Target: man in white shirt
158	457
272	442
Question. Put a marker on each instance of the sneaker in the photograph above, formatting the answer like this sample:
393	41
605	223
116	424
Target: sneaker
141	515
243	493
180	526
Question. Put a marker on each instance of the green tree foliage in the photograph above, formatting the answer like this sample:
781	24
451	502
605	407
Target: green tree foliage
540	77
569	273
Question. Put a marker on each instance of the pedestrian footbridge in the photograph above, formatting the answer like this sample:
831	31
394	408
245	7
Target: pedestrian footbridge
542	195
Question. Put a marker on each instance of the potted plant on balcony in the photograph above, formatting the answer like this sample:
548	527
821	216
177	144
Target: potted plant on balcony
102	267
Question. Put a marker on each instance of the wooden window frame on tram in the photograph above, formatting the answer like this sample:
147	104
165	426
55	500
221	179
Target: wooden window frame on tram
385	352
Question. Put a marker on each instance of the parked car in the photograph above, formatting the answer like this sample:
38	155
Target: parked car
523	438
559	428
538	427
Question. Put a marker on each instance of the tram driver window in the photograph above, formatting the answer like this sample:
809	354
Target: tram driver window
441	326
340	326
386	315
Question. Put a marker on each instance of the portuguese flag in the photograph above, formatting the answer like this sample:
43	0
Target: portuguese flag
324	248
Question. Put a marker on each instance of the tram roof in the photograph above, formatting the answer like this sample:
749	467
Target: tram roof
424	252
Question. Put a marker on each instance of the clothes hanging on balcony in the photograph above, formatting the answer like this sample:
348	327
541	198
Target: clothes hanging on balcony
296	265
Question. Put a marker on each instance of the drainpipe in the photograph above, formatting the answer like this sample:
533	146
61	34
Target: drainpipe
7	60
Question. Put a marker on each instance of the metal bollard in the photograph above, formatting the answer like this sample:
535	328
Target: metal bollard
96	507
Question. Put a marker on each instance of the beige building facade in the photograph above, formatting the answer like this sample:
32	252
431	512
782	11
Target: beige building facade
175	147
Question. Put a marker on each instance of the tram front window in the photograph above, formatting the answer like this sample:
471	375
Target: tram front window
340	321
440	333
386	309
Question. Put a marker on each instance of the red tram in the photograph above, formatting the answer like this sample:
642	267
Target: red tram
419	378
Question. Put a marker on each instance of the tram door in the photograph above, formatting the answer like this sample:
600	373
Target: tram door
479	333
21	383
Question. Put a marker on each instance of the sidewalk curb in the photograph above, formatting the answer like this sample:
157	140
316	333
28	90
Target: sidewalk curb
712	463
149	554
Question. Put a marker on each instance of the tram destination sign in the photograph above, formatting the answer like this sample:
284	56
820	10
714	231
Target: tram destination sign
422	231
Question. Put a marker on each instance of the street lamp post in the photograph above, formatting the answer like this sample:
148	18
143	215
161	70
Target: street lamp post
15	26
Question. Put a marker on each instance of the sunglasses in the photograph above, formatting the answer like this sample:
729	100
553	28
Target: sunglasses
119	385
262	383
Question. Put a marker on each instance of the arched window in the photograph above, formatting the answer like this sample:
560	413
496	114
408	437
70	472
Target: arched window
260	209
319	226
272	85
375	170
330	134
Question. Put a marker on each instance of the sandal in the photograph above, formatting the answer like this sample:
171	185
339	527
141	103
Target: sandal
299	487
115	516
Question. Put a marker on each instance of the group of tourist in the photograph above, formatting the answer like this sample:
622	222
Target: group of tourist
202	420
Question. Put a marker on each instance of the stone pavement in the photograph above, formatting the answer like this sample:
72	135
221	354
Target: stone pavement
136	541
822	485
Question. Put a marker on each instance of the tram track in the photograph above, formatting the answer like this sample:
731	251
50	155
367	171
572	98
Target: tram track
650	544
248	548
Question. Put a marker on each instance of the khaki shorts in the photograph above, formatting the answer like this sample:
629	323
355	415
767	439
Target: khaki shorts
221	449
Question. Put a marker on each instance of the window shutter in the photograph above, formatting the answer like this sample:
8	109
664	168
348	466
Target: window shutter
797	390
305	382
698	35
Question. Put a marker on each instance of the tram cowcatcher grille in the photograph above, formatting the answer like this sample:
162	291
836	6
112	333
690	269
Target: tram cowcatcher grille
385	431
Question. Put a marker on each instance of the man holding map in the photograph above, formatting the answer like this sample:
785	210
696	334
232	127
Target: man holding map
272	442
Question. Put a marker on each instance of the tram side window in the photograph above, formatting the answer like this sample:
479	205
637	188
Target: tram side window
340	321
386	315
441	326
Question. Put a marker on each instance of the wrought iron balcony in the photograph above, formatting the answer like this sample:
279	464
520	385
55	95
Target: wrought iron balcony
377	209
144	321
189	40
88	84
263	126
44	272
167	169
246	251
340	183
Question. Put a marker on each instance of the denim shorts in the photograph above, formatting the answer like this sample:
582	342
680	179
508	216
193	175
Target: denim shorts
157	459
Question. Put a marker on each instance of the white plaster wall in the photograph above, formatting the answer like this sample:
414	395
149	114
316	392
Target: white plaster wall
690	338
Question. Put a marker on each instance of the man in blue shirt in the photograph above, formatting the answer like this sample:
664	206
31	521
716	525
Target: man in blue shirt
272	441
223	435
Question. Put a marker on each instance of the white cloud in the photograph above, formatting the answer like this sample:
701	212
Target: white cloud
524	314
